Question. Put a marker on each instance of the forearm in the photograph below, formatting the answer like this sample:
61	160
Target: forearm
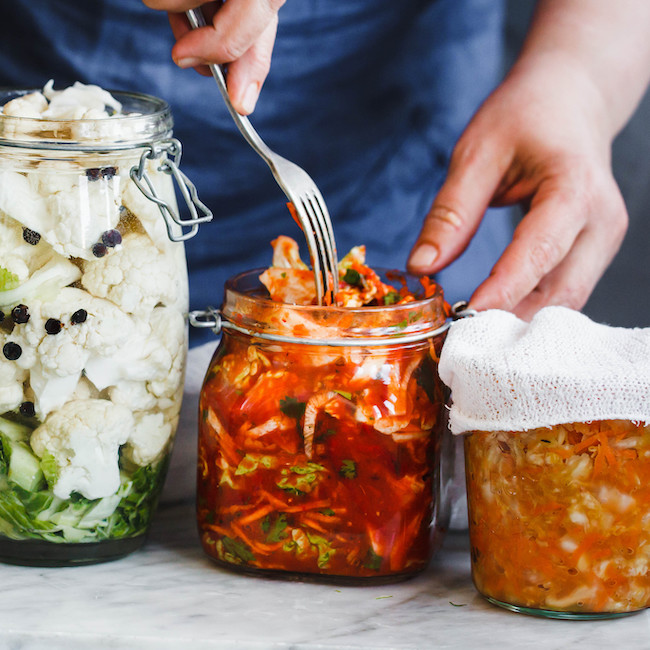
602	45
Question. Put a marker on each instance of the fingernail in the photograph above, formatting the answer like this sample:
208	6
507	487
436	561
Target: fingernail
250	97
423	256
189	62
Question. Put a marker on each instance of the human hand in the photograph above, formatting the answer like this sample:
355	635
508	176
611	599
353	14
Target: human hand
240	33
541	139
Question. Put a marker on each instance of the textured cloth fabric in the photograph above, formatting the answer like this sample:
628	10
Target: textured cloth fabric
509	375
368	95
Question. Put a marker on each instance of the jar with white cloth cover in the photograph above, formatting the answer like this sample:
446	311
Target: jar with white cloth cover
556	418
93	311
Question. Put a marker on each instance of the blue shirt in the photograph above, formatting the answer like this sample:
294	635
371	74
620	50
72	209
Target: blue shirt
369	96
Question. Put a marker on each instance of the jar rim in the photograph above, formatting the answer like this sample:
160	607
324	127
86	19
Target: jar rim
148	118
247	306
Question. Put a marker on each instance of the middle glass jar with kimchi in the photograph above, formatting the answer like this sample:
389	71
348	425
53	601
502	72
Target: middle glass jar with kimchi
321	435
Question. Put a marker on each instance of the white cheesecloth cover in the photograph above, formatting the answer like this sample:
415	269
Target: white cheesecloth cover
509	375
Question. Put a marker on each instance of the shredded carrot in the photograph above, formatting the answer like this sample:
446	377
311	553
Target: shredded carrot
257	514
542	530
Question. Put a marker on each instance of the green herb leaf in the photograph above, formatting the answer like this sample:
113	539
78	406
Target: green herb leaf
372	560
278	530
344	393
8	280
239	549
292	407
391	298
352	277
348	469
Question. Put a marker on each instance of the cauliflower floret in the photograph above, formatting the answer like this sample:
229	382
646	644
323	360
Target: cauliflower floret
153	357
16	255
168	328
31	105
136	278
84	438
12	380
79	101
69	210
56	360
148	439
133	394
45	282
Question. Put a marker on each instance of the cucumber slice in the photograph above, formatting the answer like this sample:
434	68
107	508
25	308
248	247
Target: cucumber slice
14	431
24	467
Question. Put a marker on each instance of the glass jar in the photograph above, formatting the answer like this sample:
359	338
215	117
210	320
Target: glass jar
558	520
321	436
93	332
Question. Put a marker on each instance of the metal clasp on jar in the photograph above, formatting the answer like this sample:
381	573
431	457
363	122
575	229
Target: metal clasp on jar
199	212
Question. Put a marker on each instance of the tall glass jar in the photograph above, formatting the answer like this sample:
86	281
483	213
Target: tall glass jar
321	436
93	307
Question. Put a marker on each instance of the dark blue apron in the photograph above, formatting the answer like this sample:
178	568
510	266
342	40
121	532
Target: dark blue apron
368	95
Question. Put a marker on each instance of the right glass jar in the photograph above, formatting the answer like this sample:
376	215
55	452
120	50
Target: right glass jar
559	519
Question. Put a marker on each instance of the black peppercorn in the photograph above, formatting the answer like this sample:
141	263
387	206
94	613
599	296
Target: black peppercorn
94	173
79	317
99	249
12	351
111	238
20	314
31	236
53	326
27	409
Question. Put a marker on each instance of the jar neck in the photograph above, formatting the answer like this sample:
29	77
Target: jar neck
246	308
145	119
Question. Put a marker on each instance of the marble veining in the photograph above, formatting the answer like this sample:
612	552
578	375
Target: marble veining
169	595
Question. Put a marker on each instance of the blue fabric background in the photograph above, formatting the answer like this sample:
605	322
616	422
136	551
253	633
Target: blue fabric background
368	95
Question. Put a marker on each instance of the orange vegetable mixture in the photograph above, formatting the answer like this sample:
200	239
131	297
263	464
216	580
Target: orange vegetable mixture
318	460
560	517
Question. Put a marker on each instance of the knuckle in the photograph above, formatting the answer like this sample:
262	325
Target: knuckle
468	152
261	62
446	217
573	296
544	256
231	49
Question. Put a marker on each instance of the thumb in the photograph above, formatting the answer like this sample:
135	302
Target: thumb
475	172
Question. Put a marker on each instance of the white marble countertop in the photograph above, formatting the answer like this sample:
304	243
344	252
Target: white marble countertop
170	595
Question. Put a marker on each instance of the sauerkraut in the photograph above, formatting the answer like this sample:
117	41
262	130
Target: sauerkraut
558	516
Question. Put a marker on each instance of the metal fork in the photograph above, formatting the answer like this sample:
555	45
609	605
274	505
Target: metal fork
299	187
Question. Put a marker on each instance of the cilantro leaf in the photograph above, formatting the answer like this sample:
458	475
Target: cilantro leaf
238	549
391	298
292	407
348	469
352	277
277	531
372	560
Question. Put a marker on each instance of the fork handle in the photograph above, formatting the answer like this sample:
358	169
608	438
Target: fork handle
197	19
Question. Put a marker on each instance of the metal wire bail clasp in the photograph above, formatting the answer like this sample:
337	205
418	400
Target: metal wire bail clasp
199	212
209	318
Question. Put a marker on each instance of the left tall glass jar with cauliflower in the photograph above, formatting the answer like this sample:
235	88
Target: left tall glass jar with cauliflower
93	336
